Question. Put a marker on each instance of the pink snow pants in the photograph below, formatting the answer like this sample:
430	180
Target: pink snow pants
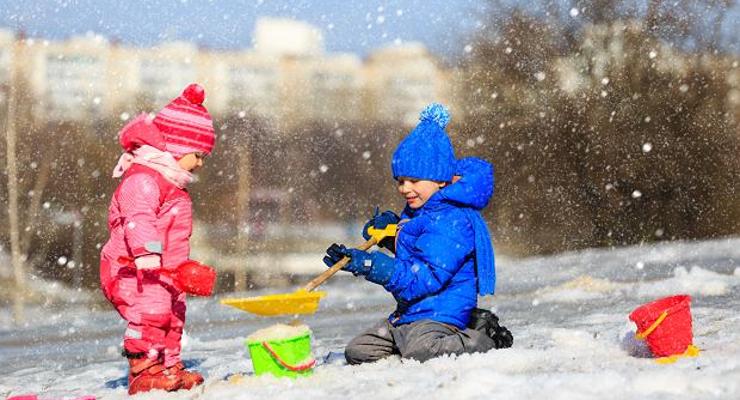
154	309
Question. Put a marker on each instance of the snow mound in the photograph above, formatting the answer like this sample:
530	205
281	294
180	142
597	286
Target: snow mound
581	288
696	282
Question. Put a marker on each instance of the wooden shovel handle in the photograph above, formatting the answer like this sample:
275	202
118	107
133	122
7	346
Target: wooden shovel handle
336	267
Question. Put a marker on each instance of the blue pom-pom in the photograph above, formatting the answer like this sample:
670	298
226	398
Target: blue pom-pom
436	113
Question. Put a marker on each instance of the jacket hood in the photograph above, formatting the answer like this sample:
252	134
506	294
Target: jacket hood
475	186
140	131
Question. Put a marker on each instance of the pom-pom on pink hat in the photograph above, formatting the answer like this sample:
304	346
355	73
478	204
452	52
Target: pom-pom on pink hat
186	125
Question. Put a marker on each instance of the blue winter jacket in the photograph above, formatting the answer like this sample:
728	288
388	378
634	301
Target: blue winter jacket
436	276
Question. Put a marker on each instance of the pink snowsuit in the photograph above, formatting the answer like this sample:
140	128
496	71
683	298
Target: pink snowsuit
147	215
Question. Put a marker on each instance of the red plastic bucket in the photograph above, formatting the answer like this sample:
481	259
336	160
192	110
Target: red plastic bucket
665	325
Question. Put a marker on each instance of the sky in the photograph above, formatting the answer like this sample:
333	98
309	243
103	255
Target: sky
348	26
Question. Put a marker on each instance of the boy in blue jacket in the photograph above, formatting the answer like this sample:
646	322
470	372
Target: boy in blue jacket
443	254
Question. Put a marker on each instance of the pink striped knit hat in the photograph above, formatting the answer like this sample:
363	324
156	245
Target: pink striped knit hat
185	123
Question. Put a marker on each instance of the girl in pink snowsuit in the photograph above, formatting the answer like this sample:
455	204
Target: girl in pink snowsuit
150	222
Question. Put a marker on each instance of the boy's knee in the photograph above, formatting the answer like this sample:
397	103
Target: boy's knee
356	353
353	355
360	353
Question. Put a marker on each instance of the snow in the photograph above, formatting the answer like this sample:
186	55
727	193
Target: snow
279	332
568	314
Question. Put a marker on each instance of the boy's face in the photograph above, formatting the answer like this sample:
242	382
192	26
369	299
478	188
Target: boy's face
191	161
417	191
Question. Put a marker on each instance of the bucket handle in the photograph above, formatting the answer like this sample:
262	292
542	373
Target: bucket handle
295	368
644	334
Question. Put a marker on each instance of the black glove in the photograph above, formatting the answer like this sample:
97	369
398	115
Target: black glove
487	322
335	253
375	267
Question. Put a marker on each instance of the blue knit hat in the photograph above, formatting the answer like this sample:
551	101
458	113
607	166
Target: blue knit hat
426	153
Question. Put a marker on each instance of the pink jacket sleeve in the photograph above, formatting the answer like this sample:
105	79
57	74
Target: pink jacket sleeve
138	200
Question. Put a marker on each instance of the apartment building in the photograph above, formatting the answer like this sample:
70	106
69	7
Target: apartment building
7	41
401	80
287	77
69	79
283	37
338	88
243	83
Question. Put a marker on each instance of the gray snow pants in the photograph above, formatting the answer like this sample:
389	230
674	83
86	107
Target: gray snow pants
420	340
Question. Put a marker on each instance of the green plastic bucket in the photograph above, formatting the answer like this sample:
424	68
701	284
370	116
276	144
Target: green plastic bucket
290	357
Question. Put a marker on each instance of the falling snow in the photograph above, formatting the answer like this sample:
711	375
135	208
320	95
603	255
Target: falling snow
606	130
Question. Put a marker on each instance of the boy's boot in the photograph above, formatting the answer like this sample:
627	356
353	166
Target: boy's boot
146	374
190	379
487	323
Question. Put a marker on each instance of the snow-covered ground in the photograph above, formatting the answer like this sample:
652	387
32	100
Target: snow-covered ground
568	314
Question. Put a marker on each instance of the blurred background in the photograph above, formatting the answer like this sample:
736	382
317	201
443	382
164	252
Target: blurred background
609	123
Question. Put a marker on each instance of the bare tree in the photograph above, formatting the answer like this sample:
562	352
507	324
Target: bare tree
599	139
13	209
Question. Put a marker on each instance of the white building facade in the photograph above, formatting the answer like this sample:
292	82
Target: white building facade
287	77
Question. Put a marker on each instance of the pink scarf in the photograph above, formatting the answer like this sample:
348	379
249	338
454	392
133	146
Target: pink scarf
160	161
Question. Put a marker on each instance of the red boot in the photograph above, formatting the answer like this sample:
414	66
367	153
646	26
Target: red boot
146	374
190	379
